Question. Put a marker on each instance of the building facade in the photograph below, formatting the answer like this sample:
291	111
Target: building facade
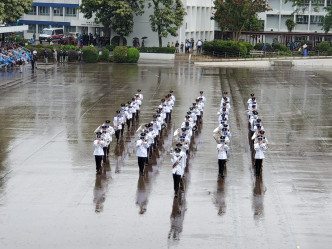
307	22
65	14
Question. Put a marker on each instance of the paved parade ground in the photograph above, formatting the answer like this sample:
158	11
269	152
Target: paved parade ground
51	197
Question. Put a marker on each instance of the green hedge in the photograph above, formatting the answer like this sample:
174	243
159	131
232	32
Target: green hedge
105	54
132	55
220	47
324	46
162	50
120	54
90	55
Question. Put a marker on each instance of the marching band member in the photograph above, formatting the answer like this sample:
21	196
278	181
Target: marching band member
106	137
138	104
201	96
172	95
222	149
141	152
133	110
139	93
98	152
260	147
177	169
117	122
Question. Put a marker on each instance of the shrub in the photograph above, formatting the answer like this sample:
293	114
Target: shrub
162	50
69	47
311	53
323	46
249	46
276	46
132	55
72	55
90	55
258	46
120	54
105	54
283	48
230	48
329	52
285	53
115	41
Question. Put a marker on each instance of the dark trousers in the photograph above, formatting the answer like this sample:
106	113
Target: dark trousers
137	111
117	135
133	118
141	161
105	154
222	164
128	124
176	180
258	164
122	130
98	162
168	117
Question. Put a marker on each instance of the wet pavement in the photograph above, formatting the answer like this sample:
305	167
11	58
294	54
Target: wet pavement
50	196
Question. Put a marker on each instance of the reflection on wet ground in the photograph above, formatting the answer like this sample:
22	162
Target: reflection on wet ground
47	172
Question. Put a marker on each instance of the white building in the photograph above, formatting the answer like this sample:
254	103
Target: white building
64	13
306	22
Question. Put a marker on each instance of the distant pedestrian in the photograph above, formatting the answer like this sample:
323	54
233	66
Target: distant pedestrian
260	147
55	55
177	47
20	63
66	56
61	56
45	56
181	47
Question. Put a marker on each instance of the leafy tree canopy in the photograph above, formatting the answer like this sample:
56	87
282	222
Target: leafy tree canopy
12	10
235	15
327	20
167	17
115	14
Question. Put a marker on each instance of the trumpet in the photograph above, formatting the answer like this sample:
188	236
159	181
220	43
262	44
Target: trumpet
139	128
176	132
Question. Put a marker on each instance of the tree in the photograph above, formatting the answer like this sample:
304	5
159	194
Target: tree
12	10
235	15
327	20
167	17
290	24
115	14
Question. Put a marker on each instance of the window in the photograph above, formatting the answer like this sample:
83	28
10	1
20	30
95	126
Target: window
44	11
328	2
32	28
70	11
41	27
57	11
316	19
33	11
70	29
301	19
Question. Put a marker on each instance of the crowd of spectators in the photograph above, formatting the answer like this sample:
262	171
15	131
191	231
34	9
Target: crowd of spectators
12	55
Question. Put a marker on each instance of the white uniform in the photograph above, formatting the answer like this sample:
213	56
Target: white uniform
98	144
260	148
141	148
106	137
117	122
179	168
222	151
203	98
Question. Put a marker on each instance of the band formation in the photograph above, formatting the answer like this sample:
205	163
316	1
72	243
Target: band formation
150	133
